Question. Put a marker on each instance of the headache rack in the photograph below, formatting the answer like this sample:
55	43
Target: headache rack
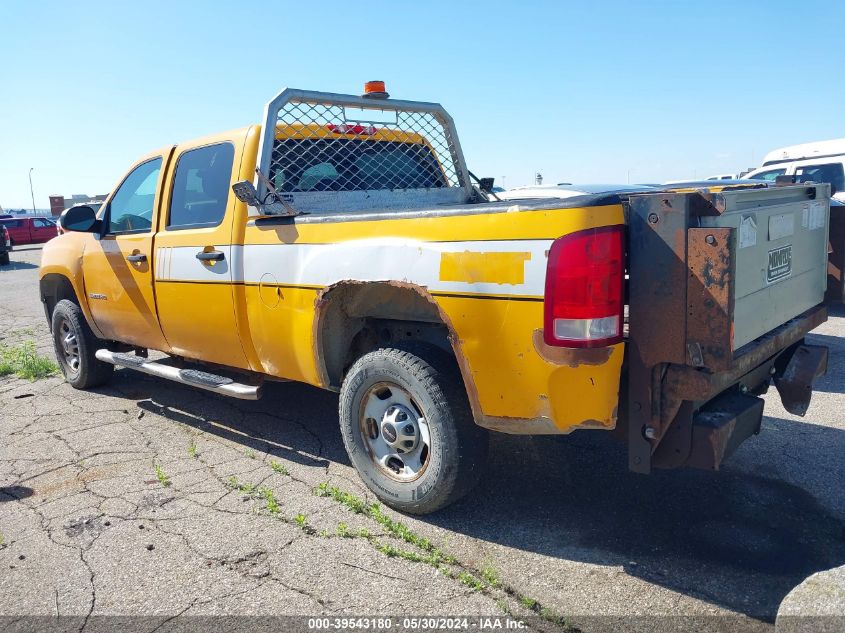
323	152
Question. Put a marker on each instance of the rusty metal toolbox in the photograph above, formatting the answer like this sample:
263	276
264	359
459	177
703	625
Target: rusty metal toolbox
720	285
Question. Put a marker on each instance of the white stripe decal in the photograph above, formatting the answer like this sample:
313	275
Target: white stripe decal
391	259
181	264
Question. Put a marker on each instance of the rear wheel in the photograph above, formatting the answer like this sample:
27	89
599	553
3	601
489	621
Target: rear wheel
75	346
408	429
5	259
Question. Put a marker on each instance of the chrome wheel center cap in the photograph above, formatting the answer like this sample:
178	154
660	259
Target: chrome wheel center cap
399	429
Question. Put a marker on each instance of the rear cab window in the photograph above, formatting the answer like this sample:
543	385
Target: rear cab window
341	164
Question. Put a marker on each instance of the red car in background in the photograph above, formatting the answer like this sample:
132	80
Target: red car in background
24	230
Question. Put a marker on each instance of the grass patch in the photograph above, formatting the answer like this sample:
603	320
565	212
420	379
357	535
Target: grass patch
279	467
163	477
24	361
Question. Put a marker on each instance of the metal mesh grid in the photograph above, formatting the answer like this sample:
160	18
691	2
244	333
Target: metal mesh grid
379	154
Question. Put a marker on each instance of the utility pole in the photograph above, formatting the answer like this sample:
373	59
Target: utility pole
31	192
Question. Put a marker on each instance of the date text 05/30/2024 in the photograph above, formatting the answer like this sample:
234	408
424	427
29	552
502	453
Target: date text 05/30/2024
416	624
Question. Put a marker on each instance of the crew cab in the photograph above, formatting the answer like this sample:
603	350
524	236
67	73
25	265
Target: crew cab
27	230
342	243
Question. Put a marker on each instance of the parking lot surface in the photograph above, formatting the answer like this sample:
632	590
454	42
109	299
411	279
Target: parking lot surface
149	498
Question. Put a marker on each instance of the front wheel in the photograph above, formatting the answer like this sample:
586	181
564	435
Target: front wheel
5	260
408	428
75	346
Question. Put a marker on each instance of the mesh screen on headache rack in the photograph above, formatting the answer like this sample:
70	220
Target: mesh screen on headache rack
369	156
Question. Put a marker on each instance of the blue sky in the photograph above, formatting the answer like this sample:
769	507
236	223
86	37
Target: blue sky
581	91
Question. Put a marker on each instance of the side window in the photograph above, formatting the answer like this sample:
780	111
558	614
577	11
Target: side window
131	208
769	176
41	224
201	186
832	173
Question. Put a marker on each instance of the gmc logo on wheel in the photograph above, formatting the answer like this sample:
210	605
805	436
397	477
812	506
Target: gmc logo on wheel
780	263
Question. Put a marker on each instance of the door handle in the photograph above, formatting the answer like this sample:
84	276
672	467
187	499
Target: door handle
211	256
140	257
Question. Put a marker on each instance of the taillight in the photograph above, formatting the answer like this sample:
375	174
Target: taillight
583	303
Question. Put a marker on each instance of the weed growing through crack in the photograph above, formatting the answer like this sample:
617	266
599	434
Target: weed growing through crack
490	575
343	530
273	506
25	362
192	449
471	581
394	552
241	486
396	528
301	520
483	580
2	541
279	467
250	453
163	477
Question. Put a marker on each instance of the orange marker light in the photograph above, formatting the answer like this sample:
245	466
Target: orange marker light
375	90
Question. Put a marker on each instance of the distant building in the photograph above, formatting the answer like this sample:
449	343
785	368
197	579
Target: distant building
60	203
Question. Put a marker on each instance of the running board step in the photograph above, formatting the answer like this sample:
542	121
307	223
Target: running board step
192	377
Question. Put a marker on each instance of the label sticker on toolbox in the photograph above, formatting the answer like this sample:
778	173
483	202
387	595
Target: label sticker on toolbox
747	231
816	215
780	263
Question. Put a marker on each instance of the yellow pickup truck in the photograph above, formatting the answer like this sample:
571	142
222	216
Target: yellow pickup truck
342	243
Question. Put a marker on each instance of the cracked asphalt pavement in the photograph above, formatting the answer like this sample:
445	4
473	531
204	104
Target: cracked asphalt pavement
149	498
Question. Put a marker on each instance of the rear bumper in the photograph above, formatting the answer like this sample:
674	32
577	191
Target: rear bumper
702	417
732	417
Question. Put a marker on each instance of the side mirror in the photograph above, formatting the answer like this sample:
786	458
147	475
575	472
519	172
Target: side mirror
81	219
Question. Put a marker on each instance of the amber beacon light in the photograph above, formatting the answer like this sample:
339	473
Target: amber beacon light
375	90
